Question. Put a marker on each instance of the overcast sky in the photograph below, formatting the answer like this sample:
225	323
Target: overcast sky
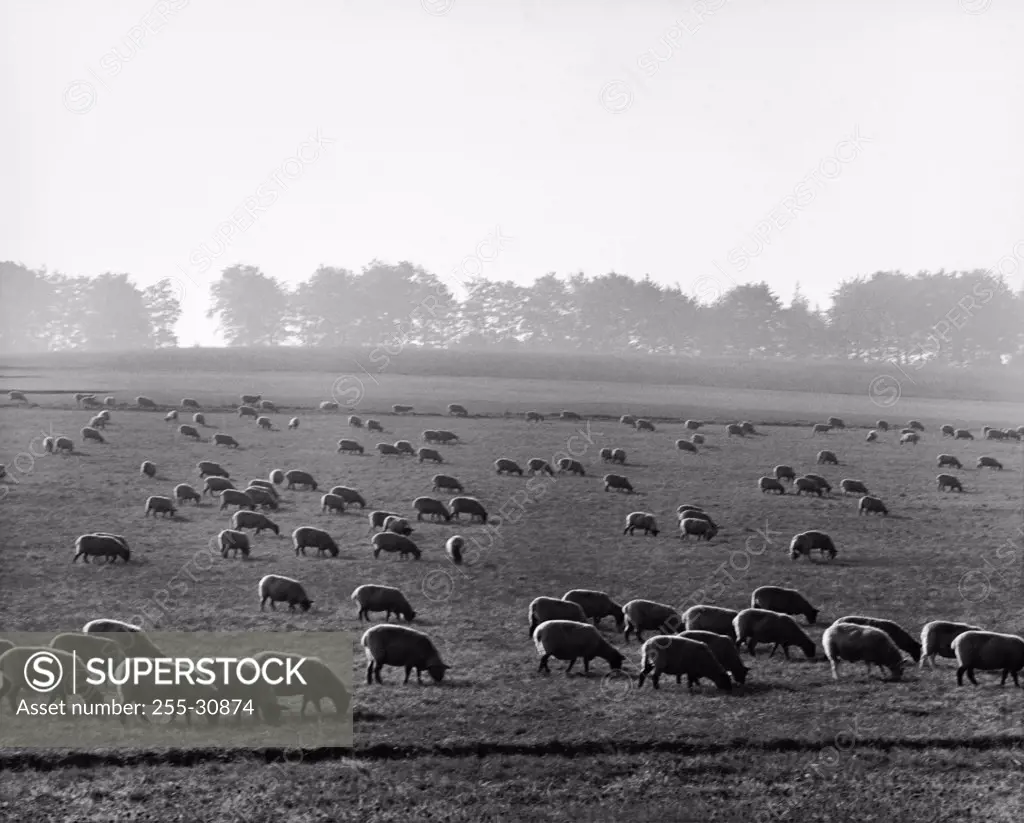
702	143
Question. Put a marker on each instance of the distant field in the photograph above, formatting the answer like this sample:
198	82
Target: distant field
937	556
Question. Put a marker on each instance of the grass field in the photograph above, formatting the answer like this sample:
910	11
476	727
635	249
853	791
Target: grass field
497	739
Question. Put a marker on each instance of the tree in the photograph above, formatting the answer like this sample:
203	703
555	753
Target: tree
322	309
164	310
250	306
27	304
111	314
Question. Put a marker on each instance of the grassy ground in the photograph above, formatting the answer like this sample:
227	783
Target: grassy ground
937	556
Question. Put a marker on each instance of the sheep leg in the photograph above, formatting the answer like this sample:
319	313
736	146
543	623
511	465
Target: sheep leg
785	651
571	664
655	678
408	674
960	675
772	652
970	675
835	669
543	667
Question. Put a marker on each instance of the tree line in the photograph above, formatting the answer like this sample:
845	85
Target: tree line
952	317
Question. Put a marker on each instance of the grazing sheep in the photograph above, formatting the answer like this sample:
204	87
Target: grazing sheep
183	492
279	589
755	626
988	651
823	484
467	505
570	415
748	427
266	485
993	434
171	416
770	484
392	645
215	484
723	649
784	601
429	454
222	439
398	525
87	646
907	431
628	420
387	450
909	437
672	654
836	423
734	430
355	421
806	542
268	405
947	481
453	548
346	445
251	399
110	546
297	477
569	640
328	405
900	636
190	431
937	639
826	457
374	598
332	502
189	403
445	436
543	609
697	439
248	411
110	400
265	423
63	444
456	410
392	542
916	425
712	619
861	643
596	605
871	436
230	540
160	505
989	462
147	468
277	477
89	433
643	425
882	425
504	465
429	436
1011	434
871	505
534	417
567	464
686	446
785	473
320	681
809	485
949	460
49	443
17	395
350	496
698	527
243	519
144	402
263	497
646	615
617	481
539	464
374	426
199	419
693	424
820	428
208	467
309	537
692	511
641	520
399	408
850	486
234	497
962	434
98	422
405	447
14	664
431	507
619	456
948	430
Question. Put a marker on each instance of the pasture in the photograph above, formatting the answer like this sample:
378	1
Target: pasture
790	731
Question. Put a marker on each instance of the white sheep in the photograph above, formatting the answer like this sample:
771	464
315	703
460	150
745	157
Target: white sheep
14	666
320	681
646	615
717	619
215	483
110	546
131	638
391	543
543	609
804	543
724	649
230	540
698	527
856	643
453	548
171	416
278	589
770	484
236	497
569	640
596	605
310	537
753	626
147	468
332	502
671	654
391	645
937	639
375	598
988	651
641	520
398	525
264	422
900	636
786	601
243	519
293	423
871	505
160	505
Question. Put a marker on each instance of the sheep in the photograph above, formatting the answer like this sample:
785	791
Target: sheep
734	430
248	411
332	503
570	415
183	492
161	505
619	456
234	541
871	436
346	445
63	444
567	464
948	460
723	649
861	643
444	482
391	542
820	428
355	422
504	465
1012	434
147	468
882	425
429	436
686	446
260	699
264	422
268	405
533	417
87	646
171	416
263	497
850	486
208	467
328	405
755	626
17	395
643	425
712	619
806	542
48	444
433	508
387	450
672	654
320	681
916	425
836	423
110	546
823	484
989	462
89	433
994	434
948	430
297	477
110	400
445	436
243	519
641	520
456	410
568	640
937	639
98	422
900	636
962	434
646	615
697	439
687	510
401	646
374	426
784	601
783	472
186	430
251	399
309	537
453	548
467	505
398	525
628	420
405	447
907	431
199	419
827	457
350	496
104	415
189	403
988	651
770	484
947	481
543	609
698	527
279	589
748	427
871	505
374	598
693	424
806	484
265	485
399	408
596	606
234	497
429	454
215	484
14	665
223	439
617	481
277	477
909	437
144	402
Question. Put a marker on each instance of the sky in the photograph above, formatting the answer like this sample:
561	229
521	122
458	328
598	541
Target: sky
704	143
